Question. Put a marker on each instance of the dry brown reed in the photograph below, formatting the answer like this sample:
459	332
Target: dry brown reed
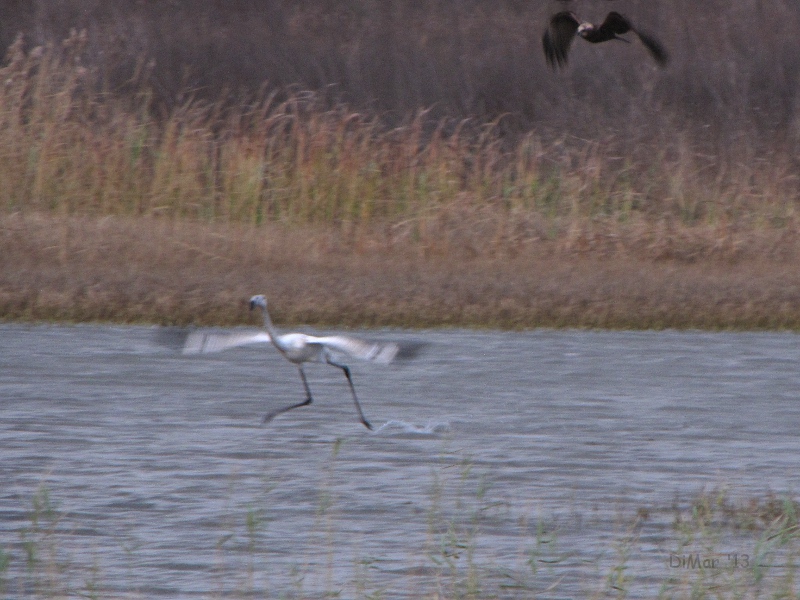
70	149
479	188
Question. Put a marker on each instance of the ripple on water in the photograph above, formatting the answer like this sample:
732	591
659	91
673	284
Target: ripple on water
549	442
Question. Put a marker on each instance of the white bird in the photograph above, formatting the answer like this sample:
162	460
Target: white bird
297	348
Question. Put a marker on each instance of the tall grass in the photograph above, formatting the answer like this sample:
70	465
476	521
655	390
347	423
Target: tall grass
428	130
734	66
69	148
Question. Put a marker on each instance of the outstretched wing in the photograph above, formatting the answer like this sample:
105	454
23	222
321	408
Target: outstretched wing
371	351
615	24
558	37
201	342
655	48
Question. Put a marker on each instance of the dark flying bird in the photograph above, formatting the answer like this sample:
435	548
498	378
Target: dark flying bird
565	25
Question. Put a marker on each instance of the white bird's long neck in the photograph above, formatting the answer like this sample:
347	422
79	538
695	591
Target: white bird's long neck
273	333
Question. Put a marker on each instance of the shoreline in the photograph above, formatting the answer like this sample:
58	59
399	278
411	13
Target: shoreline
172	272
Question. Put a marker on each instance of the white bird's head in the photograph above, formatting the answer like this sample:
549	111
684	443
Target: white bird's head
258	301
584	29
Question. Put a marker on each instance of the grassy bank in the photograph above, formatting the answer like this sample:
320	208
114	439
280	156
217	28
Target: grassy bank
177	272
116	206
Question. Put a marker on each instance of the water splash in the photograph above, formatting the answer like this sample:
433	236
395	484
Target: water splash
430	428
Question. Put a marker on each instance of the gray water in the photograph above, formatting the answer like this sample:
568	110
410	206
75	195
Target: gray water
520	460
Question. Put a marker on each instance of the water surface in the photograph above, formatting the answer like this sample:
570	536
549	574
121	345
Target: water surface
490	449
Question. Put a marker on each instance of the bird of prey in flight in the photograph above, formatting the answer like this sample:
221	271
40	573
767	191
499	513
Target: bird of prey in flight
565	25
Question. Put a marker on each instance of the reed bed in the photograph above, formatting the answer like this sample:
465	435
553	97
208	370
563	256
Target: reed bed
691	194
69	149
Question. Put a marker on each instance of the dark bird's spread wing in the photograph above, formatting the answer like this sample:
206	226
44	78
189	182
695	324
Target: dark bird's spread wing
563	28
558	37
655	48
615	24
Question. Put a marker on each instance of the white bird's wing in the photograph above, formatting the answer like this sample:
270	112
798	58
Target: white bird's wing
371	351
202	342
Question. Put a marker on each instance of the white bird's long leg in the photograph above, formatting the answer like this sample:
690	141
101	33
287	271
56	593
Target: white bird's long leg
346	370
269	416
